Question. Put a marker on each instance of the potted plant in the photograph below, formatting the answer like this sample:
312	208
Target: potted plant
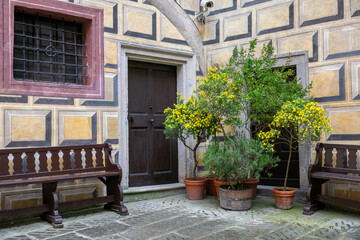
189	119
257	82
220	99
298	120
232	160
263	87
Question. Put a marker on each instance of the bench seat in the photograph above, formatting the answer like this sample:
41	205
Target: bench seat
324	169
49	165
335	176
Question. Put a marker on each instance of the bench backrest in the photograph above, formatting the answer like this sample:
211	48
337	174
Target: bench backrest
50	161
345	157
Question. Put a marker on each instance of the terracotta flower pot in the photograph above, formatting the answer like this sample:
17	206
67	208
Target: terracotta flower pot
210	187
252	183
237	200
217	184
195	188
284	199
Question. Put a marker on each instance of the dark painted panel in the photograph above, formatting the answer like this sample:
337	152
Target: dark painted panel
139	95
162	152
161	91
139	160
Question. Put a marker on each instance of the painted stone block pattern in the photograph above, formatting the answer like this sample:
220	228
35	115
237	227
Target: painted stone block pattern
238	26
310	12
249	3
276	18
111	59
355	73
110	14
258	48
16	199
223	6
190	6
110	94
343	190
328	83
210	32
53	101
220	55
77	127
300	42
345	123
355	8
24	128
110	127
169	33
78	193
341	42
138	22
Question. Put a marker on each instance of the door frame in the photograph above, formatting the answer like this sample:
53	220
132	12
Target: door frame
185	62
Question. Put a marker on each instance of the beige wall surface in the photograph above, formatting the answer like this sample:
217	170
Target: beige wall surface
327	29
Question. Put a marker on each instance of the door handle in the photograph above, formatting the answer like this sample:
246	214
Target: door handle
151	121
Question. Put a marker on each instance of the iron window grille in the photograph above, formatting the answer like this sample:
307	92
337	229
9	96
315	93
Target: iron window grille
49	50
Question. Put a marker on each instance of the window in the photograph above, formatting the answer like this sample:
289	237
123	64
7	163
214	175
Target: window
52	48
47	49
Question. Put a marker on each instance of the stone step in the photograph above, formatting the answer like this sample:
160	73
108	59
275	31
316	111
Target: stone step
133	194
158	191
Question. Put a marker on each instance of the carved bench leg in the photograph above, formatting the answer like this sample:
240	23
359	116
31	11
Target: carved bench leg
50	198
313	190
113	187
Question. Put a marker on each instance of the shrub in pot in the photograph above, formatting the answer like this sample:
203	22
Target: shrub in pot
189	122
232	160
298	120
262	86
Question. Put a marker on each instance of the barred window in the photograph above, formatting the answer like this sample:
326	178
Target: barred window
47	49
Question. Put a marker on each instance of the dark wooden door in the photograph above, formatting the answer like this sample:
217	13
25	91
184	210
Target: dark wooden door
153	158
277	177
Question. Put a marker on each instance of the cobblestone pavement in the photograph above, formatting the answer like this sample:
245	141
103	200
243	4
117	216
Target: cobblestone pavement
176	217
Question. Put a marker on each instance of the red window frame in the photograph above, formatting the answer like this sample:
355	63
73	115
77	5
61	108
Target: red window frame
92	20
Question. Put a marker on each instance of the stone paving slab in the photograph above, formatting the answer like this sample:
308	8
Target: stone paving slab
177	217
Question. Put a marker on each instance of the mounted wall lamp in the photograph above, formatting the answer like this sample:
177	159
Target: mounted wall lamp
206	4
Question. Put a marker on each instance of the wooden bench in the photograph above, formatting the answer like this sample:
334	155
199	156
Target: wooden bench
343	169
50	165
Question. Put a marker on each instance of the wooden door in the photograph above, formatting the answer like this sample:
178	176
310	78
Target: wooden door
153	158
277	177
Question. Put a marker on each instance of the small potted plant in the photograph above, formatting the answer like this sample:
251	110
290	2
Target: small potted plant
232	160
298	120
220	99
189	119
